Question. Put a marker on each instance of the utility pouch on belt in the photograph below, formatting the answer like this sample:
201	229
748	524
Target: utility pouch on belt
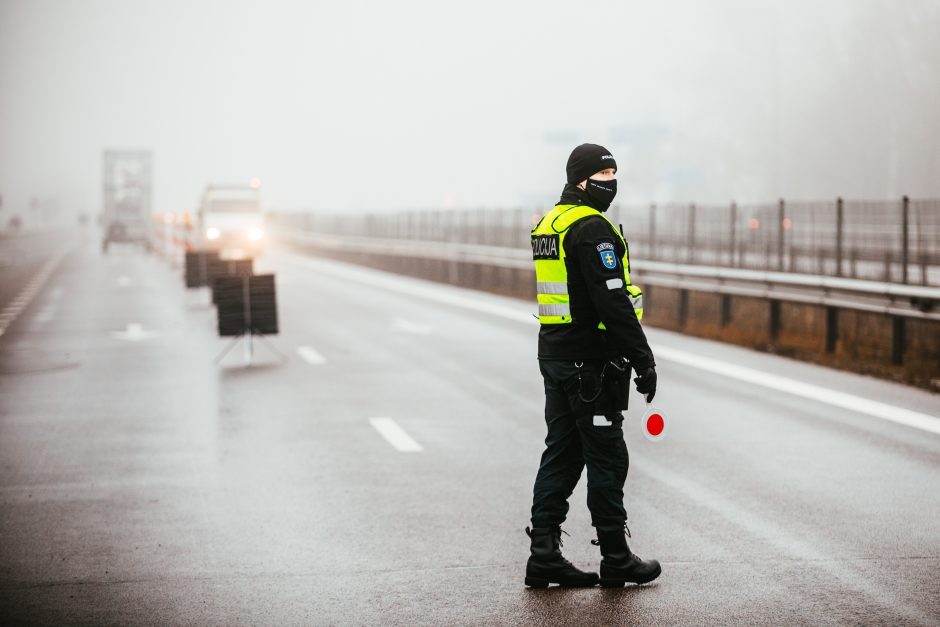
607	392
615	394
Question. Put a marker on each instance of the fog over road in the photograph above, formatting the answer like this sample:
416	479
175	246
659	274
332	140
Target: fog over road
377	106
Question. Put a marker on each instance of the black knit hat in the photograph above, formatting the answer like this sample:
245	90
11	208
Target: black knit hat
587	160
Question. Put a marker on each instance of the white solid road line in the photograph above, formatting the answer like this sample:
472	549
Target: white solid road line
311	356
806	390
891	413
395	435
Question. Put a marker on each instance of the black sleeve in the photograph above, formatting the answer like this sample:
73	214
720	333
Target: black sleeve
599	253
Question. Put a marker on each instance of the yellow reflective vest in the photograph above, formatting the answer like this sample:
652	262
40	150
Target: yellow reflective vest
551	273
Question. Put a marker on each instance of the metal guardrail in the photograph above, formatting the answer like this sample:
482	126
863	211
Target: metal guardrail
907	301
894	241
855	294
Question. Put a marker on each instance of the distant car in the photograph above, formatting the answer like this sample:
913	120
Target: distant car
230	221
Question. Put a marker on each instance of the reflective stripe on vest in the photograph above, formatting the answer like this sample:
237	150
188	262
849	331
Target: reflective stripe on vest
554	310
551	275
551	287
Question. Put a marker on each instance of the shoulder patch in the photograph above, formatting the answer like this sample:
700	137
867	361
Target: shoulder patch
545	247
604	246
608	258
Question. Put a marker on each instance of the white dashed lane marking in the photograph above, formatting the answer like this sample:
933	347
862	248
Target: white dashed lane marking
395	435
406	326
311	356
134	332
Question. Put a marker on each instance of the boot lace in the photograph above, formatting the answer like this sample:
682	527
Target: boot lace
528	532
625	528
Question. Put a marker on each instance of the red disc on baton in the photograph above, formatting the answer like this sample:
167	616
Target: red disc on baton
654	424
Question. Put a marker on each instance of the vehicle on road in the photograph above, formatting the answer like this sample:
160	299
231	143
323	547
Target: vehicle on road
127	187
230	221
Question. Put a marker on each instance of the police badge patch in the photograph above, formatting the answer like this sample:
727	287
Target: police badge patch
608	257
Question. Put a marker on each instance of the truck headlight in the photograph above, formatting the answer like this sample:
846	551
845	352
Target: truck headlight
213	233
255	234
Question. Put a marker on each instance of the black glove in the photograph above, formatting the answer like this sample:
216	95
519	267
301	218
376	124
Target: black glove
646	383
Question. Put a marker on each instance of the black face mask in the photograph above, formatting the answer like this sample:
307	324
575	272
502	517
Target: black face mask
601	193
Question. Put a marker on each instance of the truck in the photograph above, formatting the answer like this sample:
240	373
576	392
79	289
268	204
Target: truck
230	221
127	187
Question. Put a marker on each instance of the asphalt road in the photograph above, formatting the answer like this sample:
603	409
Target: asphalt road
143	483
24	254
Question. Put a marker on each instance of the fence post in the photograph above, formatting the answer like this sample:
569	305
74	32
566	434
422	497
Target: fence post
832	329
734	233
839	225
652	246
683	308
780	234
775	321
691	254
898	340
905	236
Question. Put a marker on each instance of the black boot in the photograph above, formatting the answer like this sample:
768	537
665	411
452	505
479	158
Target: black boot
546	565
619	565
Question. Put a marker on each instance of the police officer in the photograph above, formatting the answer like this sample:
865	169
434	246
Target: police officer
589	341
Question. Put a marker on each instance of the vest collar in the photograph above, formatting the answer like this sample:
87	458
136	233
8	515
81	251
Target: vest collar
574	195
562	219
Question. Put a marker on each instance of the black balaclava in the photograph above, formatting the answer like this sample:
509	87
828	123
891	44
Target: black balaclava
585	161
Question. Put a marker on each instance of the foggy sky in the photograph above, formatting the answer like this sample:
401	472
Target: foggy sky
379	106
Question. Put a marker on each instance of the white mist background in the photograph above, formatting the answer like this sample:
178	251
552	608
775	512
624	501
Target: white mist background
379	106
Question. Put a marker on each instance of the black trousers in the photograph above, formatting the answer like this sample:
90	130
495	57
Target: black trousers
582	431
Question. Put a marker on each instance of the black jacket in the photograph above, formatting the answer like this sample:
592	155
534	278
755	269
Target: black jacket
592	298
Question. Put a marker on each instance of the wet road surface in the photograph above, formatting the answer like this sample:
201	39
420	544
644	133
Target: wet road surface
382	472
